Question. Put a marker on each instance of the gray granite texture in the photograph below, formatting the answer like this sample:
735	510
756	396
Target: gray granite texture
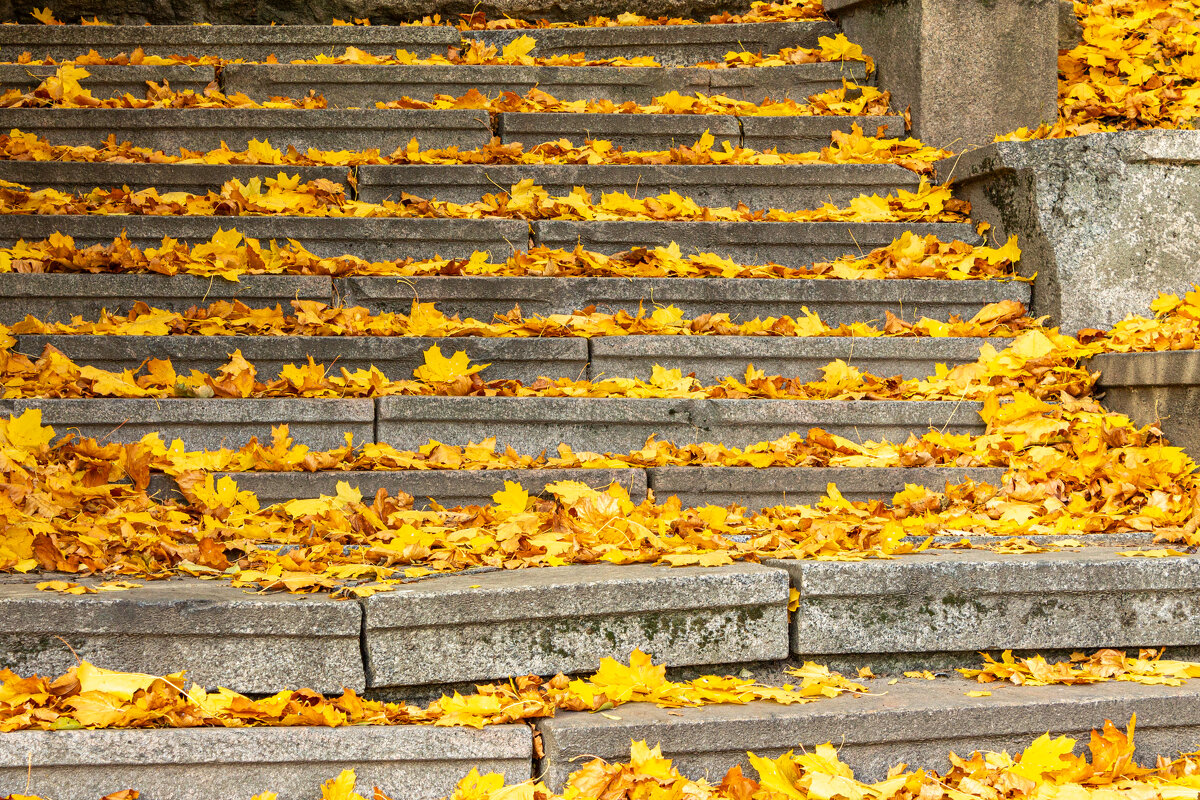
82	176
111	81
1155	389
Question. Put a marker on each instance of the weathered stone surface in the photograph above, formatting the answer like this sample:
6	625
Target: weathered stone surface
209	423
410	761
961	601
448	487
792	243
672	45
762	488
533	424
59	296
939	57
664	131
837	302
760	187
82	176
345	85
222	636
250	42
372	238
714	357
916	722
111	81
396	356
1155	389
1070	30
1078	207
169	129
565	619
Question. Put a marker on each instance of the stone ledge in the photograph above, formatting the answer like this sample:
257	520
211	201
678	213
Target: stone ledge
209	423
56	297
565	619
760	187
168	129
82	176
763	488
793	243
533	424
525	359
915	722
837	302
250	642
714	357
1160	388
374	238
111	81
419	762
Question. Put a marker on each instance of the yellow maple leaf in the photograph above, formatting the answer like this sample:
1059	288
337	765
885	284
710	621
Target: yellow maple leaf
512	498
439	369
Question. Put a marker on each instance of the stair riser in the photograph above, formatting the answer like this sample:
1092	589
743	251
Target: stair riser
105	81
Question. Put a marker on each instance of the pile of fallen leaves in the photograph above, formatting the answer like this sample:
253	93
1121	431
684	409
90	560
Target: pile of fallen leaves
1149	667
87	696
287	195
1137	67
1175	326
228	254
760	11
846	148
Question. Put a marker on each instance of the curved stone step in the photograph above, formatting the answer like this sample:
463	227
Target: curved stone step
111	81
345	85
250	42
205	128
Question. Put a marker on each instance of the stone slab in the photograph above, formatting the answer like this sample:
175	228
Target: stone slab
714	357
448	487
411	761
396	356
1078	208
250	42
1070	29
963	601
250	642
763	488
565	619
372	238
914	721
209	423
60	296
82	176
836	301
760	187
362	85
799	134
1160	389
791	243
672	45
533	424
168	129
937	56
111	81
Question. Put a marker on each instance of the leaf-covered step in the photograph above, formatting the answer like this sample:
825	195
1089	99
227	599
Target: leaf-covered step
111	81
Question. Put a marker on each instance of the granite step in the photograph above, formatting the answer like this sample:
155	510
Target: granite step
82	176
111	81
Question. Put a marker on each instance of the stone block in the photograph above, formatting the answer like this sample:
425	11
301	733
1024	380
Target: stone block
748	242
82	176
169	129
448	487
59	296
915	722
672	45
714	357
800	134
372	238
760	187
939	57
111	81
837	302
929	604
565	619
533	424
763	488
1070	30
1155	389
249	42
209	423
410	761
248	641
1078	207
396	356
628	131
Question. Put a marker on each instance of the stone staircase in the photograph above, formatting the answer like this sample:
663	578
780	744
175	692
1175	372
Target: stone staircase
931	610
